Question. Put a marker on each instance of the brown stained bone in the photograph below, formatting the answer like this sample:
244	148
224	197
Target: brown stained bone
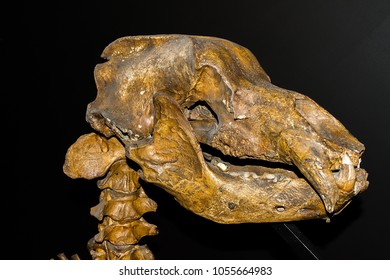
91	156
232	106
123	207
129	233
122	197
63	257
122	201
108	251
218	191
122	204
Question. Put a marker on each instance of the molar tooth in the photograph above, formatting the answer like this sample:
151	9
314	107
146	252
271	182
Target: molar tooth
270	176
223	167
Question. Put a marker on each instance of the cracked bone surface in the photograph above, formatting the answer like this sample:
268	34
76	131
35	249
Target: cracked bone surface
167	96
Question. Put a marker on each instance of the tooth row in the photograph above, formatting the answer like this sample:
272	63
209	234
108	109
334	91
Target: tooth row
122	204
123	132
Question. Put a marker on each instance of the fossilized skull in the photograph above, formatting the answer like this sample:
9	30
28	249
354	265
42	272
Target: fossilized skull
174	99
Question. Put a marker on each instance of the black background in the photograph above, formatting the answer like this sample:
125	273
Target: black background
335	52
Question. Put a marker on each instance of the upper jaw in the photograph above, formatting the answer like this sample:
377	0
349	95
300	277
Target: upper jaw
109	128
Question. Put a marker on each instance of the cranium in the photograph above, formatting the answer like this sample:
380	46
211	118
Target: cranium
167	97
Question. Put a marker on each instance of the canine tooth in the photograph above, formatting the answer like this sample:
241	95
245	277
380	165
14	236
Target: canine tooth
346	159
346	177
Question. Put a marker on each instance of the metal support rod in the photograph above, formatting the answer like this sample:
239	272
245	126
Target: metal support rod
299	243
